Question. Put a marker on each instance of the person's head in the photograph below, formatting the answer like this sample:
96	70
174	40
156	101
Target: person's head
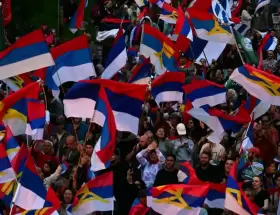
277	180
253	153
183	59
150	136
174	119
160	133
219	75
249	194
272	32
147	20
77	120
205	158
143	141
125	8
265	122
228	165
68	196
257	182
270	55
71	142
61	185
231	95
60	122
49	168
47	147
153	156
181	129
170	162
190	124
89	145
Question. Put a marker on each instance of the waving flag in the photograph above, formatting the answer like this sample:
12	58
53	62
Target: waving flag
81	99
64	167
220	13
188	175
11	145
20	81
117	57
268	43
77	19
248	141
72	63
141	73
19	161
261	3
138	208
141	3
177	199
96	195
219	121
241	28
160	49
42	211
216	196
258	83
204	92
31	185
106	144
256	107
168	87
28	53
182	26
235	199
168	14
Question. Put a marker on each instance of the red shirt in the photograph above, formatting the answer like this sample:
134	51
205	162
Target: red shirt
42	158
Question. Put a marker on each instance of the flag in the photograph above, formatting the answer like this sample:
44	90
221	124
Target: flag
216	196
105	146
160	49
64	167
207	27
235	199
96	195
31	185
255	107
77	19
203	49
28	53
141	3
241	28
19	161
247	49
117	57
268	43
204	92
182	25
220	13
177	199
138	208
248	141
20	81
261	3
219	121
7	11
42	211
35	120
258	83
141	73
81	99
168	87
72	63
168	14
187	174
11	145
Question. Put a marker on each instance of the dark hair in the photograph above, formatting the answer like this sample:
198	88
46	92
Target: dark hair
209	154
142	193
171	155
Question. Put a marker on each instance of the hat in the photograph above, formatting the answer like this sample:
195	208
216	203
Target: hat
181	129
182	54
255	150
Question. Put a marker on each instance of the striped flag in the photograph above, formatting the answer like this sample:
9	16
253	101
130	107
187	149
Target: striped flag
241	28
261	3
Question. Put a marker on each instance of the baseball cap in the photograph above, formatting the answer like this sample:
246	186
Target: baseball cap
255	150
181	129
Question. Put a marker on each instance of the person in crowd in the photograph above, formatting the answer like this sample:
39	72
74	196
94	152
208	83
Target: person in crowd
71	152
151	160
269	64
164	144
77	128
261	195
67	201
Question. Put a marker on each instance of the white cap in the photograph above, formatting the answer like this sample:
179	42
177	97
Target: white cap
181	129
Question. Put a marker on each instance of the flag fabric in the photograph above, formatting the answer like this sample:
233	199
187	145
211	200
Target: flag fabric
42	211
72	63
77	20
141	3
216	196
96	195
201	49
168	87
241	28
258	83
220	13
255	107
105	146
168	14
177	199
138	208
207	27
183	26
6	171
64	167
268	43
226	4
7	11
248	141
141	73
11	145
160	49
117	57
31	185
261	3
81	99
235	199
20	81
187	174
28	53
246	45
19	161
219	121
204	92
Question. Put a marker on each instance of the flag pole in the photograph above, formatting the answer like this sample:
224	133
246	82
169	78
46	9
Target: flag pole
238	50
2	33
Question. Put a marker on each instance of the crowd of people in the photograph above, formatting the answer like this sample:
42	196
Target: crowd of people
166	137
